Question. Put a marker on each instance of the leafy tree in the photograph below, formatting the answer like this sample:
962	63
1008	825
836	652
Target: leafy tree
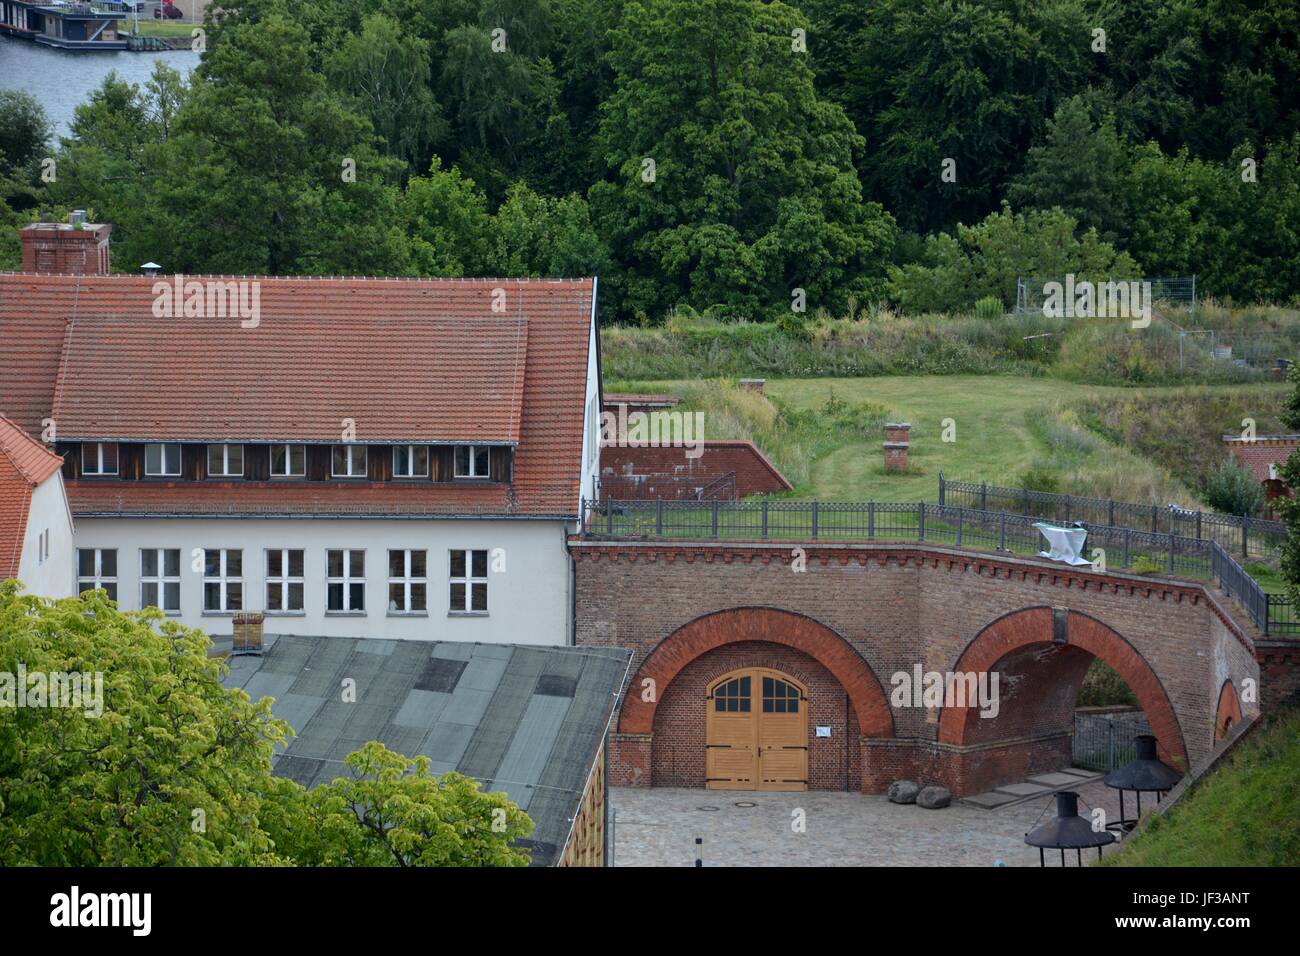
387	70
1078	169
24	131
275	174
986	260
753	192
1233	490
1288	508
169	767
390	811
535	235
445	215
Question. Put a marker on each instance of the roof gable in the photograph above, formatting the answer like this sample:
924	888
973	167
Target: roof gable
24	465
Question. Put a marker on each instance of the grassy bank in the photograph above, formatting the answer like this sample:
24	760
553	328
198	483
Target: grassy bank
1246	812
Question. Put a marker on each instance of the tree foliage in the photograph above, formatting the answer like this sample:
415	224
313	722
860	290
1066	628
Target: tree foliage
172	768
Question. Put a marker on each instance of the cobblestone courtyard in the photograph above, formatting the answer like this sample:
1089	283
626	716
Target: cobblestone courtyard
658	827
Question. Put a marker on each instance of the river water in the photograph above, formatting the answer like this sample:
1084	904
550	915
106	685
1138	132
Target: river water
62	80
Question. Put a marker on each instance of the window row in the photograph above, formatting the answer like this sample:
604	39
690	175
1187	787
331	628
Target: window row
163	460
285	579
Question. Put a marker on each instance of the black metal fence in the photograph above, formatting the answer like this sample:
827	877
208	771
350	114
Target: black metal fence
1107	741
1240	535
1113	548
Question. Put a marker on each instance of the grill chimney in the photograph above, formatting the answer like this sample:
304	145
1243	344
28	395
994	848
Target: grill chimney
1068	831
151	268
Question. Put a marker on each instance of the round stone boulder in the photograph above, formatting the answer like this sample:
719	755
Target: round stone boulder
903	791
934	798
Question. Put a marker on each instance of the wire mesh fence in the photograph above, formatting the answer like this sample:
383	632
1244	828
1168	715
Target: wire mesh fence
1107	741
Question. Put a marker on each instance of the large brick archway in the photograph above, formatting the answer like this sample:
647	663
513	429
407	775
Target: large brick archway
762	624
1055	634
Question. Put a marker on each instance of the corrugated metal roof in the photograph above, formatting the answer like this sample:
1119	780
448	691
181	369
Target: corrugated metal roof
524	720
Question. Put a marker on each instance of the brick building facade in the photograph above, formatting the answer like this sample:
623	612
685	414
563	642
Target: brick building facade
861	614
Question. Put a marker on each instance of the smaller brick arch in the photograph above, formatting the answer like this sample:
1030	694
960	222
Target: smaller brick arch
1228	713
758	624
1034	625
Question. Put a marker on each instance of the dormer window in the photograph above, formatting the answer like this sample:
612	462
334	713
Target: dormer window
410	461
471	461
349	461
162	460
288	461
225	461
99	458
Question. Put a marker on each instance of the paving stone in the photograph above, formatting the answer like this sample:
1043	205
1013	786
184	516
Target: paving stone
1023	789
991	799
1080	772
658	827
1055	779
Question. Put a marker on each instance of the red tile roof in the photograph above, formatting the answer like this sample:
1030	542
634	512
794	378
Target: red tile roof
24	464
422	360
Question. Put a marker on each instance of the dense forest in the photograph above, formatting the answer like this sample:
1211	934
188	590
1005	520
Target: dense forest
729	155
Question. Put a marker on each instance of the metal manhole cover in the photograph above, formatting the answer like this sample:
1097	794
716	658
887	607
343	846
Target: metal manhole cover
708	809
746	803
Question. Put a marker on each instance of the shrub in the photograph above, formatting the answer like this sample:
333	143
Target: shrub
1040	478
1144	565
1233	490
988	308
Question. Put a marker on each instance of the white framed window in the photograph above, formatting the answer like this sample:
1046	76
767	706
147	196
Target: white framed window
97	568
349	461
593	431
345	582
468	582
225	461
288	461
471	461
160	579
99	458
43	547
410	461
408	582
223	580
284	581
162	459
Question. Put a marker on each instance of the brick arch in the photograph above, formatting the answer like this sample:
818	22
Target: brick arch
1034	626
768	624
1228	713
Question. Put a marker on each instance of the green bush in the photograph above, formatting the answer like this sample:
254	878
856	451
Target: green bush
1039	478
1233	490
1144	565
988	308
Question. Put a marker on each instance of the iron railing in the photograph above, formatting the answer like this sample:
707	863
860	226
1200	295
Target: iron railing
1107	741
1242	535
1108	547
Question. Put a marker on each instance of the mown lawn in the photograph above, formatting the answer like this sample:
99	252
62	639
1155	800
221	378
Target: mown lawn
1002	426
1246	812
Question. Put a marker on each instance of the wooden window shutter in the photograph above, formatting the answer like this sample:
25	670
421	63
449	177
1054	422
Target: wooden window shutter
441	462
499	464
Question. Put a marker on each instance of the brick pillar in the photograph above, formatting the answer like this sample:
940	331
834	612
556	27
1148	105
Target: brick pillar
896	445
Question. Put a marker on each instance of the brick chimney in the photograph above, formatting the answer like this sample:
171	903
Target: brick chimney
896	445
72	248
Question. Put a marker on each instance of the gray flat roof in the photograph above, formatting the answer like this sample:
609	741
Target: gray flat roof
524	720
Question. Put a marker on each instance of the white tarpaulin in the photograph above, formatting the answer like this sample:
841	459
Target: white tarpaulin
1066	544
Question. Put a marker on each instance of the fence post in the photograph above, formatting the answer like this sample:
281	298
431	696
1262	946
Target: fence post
715	517
1245	553
984	496
921	522
941	490
960	522
609	516
1067	509
814	520
582	514
871	519
1002	533
659	517
765	519
1128	534
1198	525
1171	552
1026	494
1110	512
1155	519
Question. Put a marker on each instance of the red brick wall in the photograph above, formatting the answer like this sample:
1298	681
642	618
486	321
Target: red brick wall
896	606
56	248
679	724
754	473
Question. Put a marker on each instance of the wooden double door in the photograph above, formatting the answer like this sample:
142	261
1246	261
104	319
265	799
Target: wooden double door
756	732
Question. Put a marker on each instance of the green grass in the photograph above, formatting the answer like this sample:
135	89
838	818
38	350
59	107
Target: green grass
825	433
161	28
1246	812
